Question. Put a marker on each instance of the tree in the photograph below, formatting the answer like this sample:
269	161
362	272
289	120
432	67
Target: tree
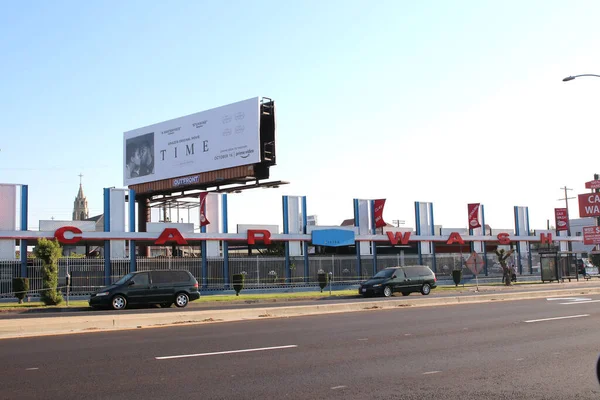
502	256
49	251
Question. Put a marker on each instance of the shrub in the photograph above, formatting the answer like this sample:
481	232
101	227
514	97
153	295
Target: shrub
323	280
238	283
20	287
49	251
456	276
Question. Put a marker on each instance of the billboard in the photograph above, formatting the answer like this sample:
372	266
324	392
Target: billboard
223	137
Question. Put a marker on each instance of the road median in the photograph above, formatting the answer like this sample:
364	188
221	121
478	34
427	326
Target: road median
29	327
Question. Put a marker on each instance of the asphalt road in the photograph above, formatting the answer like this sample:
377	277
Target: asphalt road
198	306
508	350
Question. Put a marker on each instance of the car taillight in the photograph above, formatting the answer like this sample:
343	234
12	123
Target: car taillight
196	285
434	278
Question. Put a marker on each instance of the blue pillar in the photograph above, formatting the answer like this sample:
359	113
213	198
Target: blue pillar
485	259
24	212
518	232
286	231
357	243
418	229
529	261
374	230
132	256
305	244
107	242
225	244
432	233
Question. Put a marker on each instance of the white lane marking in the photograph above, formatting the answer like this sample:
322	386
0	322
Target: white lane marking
226	352
520	359
431	372
557	318
363	339
581	302
568	298
338	387
31	369
408	334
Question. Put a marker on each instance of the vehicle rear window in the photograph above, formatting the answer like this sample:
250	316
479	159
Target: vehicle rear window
411	272
162	277
170	276
414	271
181	276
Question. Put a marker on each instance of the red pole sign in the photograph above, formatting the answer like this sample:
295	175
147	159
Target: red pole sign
593	184
589	205
561	218
591	235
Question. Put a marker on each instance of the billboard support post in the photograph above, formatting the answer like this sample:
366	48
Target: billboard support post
107	268
132	255
24	222
225	244
286	230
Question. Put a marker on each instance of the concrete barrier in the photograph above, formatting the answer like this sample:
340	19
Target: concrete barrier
28	327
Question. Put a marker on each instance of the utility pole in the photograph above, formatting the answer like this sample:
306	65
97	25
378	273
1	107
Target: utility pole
569	244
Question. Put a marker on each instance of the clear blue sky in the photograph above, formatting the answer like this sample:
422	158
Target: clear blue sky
444	101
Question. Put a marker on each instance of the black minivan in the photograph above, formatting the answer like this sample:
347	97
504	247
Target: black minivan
406	279
148	287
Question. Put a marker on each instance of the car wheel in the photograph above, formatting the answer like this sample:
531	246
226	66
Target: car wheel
181	300
166	305
405	293
425	289
119	302
387	291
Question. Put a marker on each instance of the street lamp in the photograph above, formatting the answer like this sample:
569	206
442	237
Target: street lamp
570	78
596	176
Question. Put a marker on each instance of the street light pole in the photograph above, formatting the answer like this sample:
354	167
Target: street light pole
570	78
596	176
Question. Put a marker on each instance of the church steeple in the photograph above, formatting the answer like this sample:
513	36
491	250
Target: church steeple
80	206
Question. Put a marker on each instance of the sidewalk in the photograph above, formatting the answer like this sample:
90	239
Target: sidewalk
26	327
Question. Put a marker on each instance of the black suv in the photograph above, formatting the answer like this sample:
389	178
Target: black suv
407	279
149	287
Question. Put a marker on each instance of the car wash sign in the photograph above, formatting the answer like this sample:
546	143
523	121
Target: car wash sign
589	205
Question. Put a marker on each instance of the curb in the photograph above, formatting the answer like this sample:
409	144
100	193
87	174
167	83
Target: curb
20	328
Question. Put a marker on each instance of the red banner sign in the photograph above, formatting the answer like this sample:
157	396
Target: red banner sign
203	220
474	215
378	213
591	235
593	184
589	205
561	219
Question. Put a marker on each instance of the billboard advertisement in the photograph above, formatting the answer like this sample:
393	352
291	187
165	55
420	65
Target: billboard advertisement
223	137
